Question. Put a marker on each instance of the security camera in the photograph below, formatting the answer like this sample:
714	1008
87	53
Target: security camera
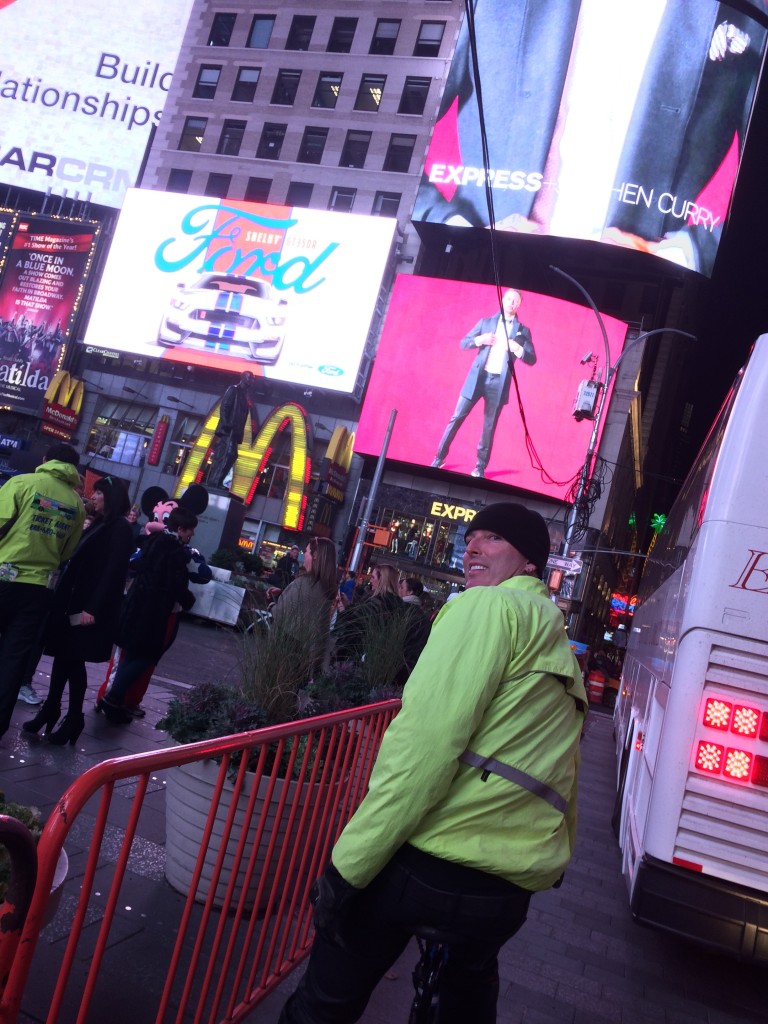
586	358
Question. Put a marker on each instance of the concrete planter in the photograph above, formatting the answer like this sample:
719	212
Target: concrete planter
189	792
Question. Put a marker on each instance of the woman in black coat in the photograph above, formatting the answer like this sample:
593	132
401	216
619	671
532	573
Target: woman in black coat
160	587
86	609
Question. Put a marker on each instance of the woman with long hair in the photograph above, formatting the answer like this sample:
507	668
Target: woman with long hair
304	608
85	609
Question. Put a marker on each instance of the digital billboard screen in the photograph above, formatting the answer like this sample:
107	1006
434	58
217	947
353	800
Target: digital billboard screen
41	281
614	122
82	83
286	293
433	363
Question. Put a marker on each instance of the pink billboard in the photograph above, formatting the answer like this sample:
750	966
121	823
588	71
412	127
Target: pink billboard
435	366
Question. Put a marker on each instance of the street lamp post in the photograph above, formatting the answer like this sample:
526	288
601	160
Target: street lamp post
585	476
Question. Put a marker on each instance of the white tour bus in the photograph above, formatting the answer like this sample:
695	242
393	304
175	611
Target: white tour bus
691	718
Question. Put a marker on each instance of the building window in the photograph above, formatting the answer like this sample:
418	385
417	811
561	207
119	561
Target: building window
179	180
192	134
299	194
399	153
429	39
312	145
342	34
207	81
355	149
385	36
221	29
414	97
271	141
261	31
231	138
370	91
122	431
186	431
386	204
257	190
342	199
300	32
218	185
327	91
245	84
286	87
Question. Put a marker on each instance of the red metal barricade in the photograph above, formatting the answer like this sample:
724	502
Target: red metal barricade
278	800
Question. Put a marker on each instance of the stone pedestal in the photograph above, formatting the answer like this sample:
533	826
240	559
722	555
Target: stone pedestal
221	525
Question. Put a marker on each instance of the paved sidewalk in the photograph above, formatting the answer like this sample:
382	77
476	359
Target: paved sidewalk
579	959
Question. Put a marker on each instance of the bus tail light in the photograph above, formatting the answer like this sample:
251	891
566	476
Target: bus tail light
738	764
717	759
739	718
760	771
709	757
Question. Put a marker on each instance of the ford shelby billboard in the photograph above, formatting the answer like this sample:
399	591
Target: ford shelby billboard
619	122
82	82
442	363
288	294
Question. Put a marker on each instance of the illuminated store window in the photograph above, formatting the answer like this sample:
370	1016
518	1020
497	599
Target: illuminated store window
399	153
385	36
312	145
300	32
231	138
370	92
286	87
122	431
207	81
261	31
179	180
175	453
299	193
257	190
429	39
414	97
342	34
221	29
342	199
327	91
386	204
271	141
245	84
355	149
192	134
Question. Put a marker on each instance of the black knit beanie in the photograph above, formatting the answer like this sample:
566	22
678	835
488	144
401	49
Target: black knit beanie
523	528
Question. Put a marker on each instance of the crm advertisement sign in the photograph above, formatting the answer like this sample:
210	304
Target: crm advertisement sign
433	362
82	82
41	283
615	122
288	294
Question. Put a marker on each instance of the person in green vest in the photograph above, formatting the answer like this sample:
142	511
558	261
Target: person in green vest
471	807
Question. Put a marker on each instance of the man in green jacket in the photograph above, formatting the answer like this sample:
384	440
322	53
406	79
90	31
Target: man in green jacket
472	802
41	520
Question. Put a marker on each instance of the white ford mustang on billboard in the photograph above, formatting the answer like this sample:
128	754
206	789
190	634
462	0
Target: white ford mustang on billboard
225	313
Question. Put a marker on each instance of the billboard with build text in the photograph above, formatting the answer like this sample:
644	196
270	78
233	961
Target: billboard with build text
434	362
286	293
614	122
82	83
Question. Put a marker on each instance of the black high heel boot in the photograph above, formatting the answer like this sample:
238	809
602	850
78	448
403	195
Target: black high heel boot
47	716
70	728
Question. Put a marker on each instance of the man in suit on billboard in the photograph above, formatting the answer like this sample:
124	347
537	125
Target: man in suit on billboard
498	341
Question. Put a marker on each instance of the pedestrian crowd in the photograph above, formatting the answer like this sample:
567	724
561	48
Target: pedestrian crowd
471	806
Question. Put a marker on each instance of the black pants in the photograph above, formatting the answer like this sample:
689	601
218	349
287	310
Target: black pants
489	392
413	890
24	609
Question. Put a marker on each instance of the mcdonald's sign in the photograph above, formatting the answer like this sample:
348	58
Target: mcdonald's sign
252	458
62	405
